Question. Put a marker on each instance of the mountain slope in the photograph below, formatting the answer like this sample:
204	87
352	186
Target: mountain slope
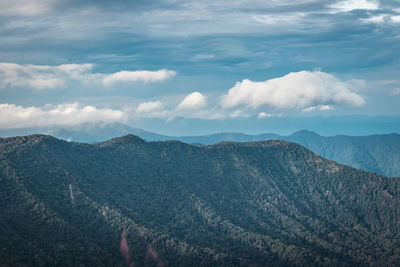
263	203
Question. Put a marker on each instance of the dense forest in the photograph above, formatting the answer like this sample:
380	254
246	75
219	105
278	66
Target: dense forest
128	202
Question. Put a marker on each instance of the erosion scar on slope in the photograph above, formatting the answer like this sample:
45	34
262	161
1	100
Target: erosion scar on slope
71	193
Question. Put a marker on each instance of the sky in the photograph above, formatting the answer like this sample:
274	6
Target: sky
158	64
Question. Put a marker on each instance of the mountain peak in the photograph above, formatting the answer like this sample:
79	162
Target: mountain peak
123	140
305	133
29	142
29	139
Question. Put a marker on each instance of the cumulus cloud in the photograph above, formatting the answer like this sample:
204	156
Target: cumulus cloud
350	5
149	106
151	109
296	90
13	116
192	101
138	76
47	77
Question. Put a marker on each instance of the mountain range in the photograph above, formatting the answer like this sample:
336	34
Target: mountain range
128	202
375	153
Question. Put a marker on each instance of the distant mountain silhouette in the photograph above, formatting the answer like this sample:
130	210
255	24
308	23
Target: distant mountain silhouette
169	203
376	153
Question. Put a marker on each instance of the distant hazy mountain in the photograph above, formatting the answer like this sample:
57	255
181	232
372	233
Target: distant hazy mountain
220	137
97	132
87	132
376	153
174	204
324	125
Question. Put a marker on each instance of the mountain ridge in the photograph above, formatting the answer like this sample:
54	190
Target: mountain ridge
378	153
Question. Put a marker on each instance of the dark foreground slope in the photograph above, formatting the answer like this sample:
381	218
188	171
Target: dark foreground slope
263	203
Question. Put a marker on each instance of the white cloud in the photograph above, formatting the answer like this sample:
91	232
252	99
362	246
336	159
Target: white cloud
382	18
309	109
40	76
13	116
278	19
375	19
138	76
46	77
325	107
264	115
146	107
193	101
296	90
395	19
350	5
319	107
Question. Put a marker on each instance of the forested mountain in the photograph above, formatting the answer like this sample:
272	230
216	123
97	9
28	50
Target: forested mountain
131	202
375	153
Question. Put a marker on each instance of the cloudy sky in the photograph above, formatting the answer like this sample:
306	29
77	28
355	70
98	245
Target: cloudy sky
145	62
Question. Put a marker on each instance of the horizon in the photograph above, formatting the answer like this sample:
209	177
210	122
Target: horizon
351	126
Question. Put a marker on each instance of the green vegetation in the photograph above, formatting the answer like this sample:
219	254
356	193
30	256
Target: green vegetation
233	204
